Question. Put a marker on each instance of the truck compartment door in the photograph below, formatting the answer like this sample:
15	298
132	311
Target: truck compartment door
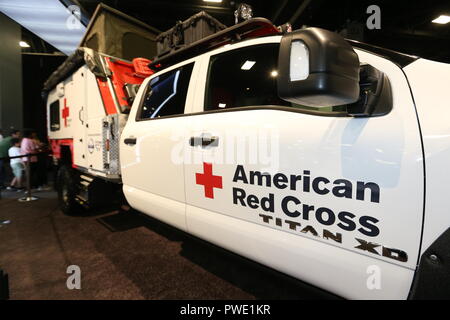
75	108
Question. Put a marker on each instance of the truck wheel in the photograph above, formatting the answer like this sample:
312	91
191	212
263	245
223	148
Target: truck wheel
67	191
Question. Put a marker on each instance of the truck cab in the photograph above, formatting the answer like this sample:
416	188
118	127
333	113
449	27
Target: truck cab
321	186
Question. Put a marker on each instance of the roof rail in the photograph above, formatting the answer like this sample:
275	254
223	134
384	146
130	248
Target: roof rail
252	28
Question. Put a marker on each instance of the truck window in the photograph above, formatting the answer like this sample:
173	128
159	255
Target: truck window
246	77
54	116
165	95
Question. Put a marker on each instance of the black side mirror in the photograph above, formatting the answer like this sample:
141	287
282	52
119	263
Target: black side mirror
375	98
317	68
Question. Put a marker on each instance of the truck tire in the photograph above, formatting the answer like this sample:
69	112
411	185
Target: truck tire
67	190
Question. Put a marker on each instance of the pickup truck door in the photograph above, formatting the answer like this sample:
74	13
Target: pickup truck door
152	174
332	200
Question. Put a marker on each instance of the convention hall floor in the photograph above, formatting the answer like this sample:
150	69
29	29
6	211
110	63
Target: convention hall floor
123	255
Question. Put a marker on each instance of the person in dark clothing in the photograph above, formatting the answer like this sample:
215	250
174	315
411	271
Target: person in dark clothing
5	144
42	171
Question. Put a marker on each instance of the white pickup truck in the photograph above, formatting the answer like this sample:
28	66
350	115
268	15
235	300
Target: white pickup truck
323	158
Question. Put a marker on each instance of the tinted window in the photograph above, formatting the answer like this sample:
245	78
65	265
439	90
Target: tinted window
54	116
166	94
243	77
246	77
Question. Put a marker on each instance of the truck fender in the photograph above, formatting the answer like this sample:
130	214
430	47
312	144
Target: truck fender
432	278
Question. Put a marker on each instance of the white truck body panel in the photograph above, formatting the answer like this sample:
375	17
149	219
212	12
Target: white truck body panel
93	116
339	271
385	150
430	81
95	144
75	95
82	115
66	130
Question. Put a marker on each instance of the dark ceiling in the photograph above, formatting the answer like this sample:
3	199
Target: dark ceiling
405	25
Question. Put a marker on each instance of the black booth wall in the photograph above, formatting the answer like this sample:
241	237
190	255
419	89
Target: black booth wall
36	69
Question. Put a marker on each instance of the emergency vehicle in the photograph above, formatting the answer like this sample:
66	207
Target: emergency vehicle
320	157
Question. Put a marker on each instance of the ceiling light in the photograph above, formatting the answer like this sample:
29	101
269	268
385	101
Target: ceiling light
216	1
274	73
248	65
47	19
442	19
23	44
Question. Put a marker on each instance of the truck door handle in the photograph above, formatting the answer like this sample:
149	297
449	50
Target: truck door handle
210	141
79	115
130	141
204	141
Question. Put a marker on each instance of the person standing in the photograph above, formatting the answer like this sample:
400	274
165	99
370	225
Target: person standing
5	144
16	164
41	175
29	146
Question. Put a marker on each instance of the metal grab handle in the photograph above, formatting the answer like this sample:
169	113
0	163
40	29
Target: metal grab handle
130	141
79	115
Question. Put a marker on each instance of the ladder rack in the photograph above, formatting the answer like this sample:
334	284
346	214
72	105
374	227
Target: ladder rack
253	28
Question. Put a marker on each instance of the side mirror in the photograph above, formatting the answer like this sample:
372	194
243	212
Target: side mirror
317	68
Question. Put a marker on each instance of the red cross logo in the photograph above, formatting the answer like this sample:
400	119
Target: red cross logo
208	180
65	112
